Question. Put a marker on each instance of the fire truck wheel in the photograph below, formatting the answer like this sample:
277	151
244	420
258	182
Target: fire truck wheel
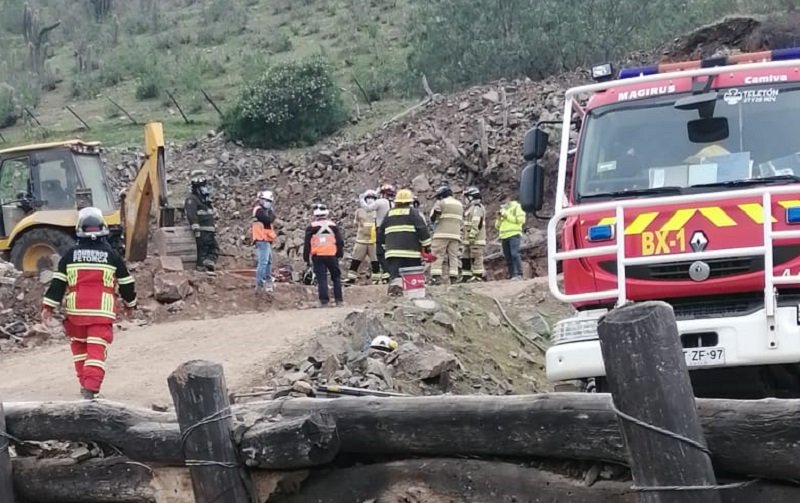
34	250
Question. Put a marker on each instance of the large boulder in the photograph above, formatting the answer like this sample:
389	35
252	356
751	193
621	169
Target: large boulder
171	287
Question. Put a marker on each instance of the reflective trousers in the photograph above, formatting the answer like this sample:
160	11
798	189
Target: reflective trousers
89	345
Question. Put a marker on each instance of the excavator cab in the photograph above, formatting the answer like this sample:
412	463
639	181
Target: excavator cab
42	187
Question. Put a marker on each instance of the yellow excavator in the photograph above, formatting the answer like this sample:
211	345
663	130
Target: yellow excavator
43	186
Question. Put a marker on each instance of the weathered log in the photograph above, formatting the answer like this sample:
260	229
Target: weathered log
201	403
291	443
472	481
650	385
117	480
6	482
746	437
140	433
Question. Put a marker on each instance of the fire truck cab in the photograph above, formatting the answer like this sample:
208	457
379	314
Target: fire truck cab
680	182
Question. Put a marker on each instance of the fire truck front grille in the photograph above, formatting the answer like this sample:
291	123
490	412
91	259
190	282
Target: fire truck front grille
680	270
717	308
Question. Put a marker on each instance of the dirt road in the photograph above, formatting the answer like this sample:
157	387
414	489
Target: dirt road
141	358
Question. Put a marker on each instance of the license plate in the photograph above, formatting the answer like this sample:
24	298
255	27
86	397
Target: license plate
704	357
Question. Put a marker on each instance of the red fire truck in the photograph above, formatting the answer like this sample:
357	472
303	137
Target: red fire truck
683	186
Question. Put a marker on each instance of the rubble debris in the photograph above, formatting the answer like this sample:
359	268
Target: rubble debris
171	287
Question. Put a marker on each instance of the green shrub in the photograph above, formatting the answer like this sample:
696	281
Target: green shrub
9	114
84	86
150	82
111	73
292	104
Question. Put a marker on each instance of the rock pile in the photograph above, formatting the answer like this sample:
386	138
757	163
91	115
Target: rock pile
454	342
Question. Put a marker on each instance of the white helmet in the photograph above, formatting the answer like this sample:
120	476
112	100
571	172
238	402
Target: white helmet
91	223
266	195
383	343
371	194
320	210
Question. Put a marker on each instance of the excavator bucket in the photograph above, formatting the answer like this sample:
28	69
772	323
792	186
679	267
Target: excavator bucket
176	242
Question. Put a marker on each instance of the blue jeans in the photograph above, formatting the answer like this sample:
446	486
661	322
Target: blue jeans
512	255
264	268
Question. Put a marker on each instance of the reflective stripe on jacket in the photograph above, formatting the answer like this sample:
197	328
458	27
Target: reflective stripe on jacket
510	221
475	224
448	217
403	233
323	240
365	225
87	280
260	232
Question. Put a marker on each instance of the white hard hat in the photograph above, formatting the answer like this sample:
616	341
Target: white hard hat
266	195
383	343
91	223
371	193
320	210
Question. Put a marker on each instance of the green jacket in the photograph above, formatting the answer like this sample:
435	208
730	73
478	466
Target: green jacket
510	221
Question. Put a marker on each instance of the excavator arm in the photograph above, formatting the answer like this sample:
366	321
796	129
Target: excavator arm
148	195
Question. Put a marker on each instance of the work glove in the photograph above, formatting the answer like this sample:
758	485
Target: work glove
428	256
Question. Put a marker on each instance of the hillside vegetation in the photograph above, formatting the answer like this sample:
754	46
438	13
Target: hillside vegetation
143	53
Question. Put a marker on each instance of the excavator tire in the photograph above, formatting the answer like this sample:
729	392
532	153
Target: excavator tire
34	250
176	242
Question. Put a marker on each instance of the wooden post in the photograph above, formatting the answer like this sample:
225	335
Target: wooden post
74	113
204	415
129	116
208	99
177	105
649	382
6	481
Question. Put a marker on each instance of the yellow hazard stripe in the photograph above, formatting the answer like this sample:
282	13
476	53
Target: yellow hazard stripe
755	211
639	224
717	216
95	363
790	203
97	340
678	220
80	358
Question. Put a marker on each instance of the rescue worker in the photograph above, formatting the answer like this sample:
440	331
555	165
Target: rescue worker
406	239
381	207
510	219
474	237
263	235
200	213
89	275
366	237
447	216
323	248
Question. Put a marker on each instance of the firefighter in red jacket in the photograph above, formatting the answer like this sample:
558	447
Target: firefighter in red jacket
89	275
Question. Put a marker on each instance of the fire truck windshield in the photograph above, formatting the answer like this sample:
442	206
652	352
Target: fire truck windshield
643	148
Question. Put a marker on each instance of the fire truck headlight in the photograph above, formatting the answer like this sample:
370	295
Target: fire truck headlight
601	233
793	215
602	72
580	328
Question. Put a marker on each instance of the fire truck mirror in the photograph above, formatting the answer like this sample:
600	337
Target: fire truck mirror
531	188
709	130
534	144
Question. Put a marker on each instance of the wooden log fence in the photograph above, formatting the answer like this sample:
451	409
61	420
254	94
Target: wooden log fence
210	450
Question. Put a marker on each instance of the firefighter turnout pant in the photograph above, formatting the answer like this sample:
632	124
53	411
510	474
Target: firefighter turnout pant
361	252
207	250
89	345
322	266
472	262
446	251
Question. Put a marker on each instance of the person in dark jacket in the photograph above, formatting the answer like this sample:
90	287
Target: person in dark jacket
263	235
89	276
405	238
200	213
323	248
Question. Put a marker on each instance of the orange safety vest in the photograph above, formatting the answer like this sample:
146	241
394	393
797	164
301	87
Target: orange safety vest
323	242
258	231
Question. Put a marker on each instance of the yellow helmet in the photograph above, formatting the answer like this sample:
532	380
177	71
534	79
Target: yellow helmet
404	196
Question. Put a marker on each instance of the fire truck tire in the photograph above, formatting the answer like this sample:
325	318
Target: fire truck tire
34	250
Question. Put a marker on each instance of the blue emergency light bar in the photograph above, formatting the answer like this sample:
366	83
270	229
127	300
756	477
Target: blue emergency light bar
605	232
793	215
750	57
